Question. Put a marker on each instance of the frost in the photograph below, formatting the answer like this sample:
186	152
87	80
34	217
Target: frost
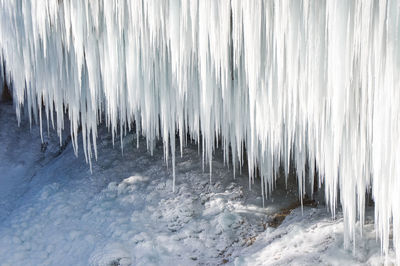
316	81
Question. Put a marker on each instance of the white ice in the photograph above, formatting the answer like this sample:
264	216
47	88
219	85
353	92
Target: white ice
311	80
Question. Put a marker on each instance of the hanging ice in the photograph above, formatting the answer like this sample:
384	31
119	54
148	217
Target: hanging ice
316	80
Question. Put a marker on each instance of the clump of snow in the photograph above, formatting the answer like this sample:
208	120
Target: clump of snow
312	238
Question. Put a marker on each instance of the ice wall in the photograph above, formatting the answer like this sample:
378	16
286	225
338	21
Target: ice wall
316	80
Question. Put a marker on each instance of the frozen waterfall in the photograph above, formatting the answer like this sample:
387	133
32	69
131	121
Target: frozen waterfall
316	81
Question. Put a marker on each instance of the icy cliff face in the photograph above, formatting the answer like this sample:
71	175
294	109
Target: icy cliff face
316	80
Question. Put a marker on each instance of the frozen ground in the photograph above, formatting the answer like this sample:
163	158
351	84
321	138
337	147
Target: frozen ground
53	211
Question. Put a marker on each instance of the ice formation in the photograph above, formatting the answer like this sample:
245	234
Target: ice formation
1	81
316	81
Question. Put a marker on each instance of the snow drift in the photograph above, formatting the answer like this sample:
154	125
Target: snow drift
316	81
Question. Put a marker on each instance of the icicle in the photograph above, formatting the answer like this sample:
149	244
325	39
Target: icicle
2	78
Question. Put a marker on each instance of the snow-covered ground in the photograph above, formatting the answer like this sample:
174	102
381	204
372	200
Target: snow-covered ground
53	211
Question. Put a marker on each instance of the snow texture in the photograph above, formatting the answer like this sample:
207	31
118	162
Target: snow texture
315	81
53	211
